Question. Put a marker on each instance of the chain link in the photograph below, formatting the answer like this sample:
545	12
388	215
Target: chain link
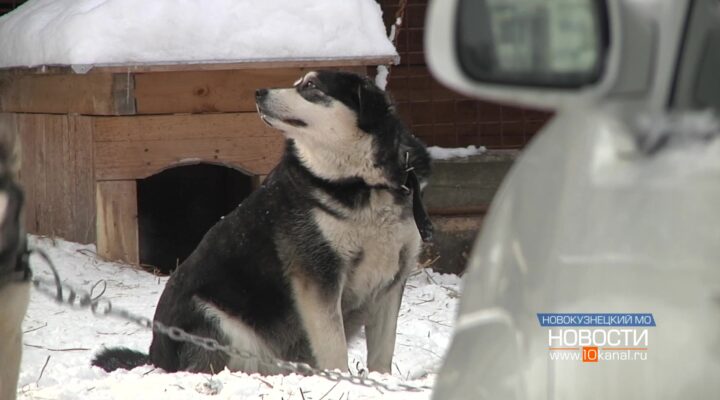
78	299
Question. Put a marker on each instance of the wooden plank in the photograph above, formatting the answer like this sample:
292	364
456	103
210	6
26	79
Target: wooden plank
56	172
123	94
257	181
117	227
80	159
205	91
56	206
82	69
32	170
137	147
173	127
210	91
256	64
8	139
95	94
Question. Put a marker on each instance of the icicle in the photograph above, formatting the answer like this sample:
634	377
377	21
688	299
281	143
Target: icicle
381	77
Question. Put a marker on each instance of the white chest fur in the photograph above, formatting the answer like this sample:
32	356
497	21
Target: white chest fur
369	240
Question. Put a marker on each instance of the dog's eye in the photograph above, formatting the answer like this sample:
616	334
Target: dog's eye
309	85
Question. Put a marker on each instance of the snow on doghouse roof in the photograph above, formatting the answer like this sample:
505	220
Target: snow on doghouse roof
102	32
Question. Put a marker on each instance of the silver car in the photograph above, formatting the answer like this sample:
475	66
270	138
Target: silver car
597	272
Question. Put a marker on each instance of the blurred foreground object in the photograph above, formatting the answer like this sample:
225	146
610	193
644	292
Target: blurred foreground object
14	276
611	209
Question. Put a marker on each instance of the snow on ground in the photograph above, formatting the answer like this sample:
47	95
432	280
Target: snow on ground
124	31
66	340
443	153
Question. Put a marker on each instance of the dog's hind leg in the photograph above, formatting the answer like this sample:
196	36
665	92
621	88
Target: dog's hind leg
231	330
381	327
194	358
321	315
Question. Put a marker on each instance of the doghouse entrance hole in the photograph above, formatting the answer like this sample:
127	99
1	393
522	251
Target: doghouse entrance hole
176	208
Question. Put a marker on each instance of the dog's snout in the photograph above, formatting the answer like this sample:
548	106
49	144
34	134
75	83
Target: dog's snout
260	93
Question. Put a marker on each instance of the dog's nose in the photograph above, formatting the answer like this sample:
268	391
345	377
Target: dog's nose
260	93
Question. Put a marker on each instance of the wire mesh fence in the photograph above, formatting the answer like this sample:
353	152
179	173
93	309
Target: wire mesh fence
439	116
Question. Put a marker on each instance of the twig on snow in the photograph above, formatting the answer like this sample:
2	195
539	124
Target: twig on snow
424	266
429	278
35	329
331	389
42	371
265	382
51	349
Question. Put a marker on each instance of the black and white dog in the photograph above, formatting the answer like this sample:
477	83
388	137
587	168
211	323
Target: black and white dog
322	249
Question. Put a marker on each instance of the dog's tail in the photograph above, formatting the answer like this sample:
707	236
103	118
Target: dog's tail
119	357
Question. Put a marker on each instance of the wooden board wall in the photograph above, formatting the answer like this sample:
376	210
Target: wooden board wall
56	172
61	91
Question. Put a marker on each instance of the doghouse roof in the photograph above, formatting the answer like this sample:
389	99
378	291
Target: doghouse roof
116	32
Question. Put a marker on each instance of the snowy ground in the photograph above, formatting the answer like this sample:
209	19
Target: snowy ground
444	153
59	342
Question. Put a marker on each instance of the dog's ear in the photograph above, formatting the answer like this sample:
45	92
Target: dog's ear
374	104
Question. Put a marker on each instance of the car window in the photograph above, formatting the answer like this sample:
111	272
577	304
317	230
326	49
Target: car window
697	84
707	88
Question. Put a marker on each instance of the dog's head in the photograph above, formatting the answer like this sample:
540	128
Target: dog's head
342	126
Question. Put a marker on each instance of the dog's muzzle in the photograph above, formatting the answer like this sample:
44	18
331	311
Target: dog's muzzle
260	96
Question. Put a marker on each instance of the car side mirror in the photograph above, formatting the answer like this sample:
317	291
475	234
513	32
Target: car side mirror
543	53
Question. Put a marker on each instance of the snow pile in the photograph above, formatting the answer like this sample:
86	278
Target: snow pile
658	131
169	31
658	151
442	153
60	342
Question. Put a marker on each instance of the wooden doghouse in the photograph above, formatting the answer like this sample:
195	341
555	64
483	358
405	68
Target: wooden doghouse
87	135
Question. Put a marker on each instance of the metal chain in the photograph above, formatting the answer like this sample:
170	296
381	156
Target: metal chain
400	14
78	299
383	71
397	24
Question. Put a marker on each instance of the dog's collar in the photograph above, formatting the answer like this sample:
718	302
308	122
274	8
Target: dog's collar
411	187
